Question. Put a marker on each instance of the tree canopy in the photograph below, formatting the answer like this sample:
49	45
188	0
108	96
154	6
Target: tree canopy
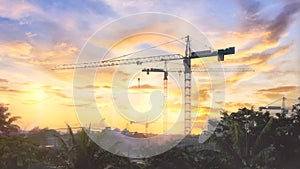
7	125
244	139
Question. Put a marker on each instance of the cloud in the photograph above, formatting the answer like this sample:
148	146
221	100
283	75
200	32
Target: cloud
258	62
237	105
254	21
202	97
30	34
280	24
144	86
279	89
272	96
250	19
17	49
46	33
90	87
124	7
61	52
259	27
278	92
142	38
61	95
43	59
55	91
99	97
152	40
201	118
31	101
260	37
76	105
10	90
106	87
3	81
10	9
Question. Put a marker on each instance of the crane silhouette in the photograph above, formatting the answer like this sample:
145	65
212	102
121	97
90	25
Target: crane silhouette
187	58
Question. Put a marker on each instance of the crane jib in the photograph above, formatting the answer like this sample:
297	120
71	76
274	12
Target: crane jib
138	61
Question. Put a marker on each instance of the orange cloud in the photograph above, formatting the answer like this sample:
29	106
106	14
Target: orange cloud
60	95
76	105
272	96
131	46
204	95
144	86
278	92
106	87
20	50
3	81
201	118
60	53
90	87
258	59
237	105
9	90
280	89
258	62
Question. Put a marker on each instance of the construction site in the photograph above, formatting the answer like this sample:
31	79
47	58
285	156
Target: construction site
168	61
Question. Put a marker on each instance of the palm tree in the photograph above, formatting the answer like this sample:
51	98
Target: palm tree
245	138
79	151
6	122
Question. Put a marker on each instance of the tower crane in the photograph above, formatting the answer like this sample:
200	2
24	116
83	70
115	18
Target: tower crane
187	58
165	81
165	115
283	107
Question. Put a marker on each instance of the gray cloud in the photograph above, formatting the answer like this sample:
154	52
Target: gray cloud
253	20
280	24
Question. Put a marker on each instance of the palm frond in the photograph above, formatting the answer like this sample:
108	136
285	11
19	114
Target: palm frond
73	140
262	134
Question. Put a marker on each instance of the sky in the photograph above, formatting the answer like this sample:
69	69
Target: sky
35	36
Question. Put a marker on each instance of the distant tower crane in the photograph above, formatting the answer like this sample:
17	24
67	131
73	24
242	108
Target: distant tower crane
162	58
283	108
165	115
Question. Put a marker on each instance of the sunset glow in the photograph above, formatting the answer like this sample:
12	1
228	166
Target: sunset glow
38	35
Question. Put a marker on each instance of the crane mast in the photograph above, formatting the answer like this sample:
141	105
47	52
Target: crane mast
187	88
165	115
162	58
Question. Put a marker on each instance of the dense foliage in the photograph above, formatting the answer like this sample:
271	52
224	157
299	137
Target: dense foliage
243	139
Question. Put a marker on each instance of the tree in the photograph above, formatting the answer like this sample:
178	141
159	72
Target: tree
17	152
176	158
245	140
287	141
6	122
252	139
79	151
